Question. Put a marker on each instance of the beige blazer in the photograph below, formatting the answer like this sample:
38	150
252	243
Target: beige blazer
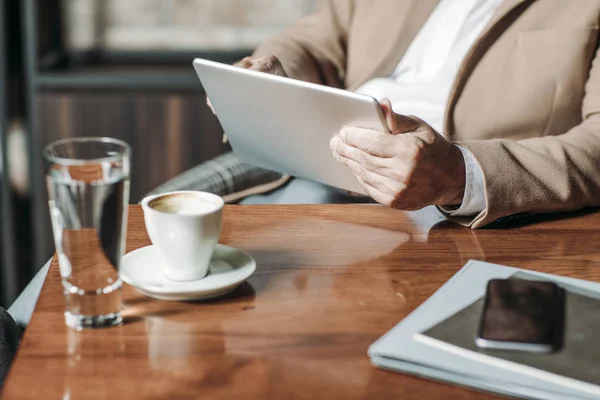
526	101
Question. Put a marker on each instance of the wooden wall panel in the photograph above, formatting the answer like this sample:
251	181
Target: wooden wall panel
169	132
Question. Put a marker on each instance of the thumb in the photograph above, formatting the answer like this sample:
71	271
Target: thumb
398	123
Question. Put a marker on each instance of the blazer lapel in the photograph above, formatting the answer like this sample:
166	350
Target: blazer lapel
402	34
494	28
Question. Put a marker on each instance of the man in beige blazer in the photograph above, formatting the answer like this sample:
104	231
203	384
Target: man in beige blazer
524	103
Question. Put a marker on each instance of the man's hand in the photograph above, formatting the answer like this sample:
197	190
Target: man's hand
411	168
269	65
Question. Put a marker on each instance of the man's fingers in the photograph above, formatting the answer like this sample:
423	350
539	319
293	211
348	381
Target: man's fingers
368	161
375	194
398	123
209	104
373	183
375	143
358	169
268	64
246	63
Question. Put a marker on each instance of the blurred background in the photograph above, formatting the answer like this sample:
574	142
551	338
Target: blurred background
119	68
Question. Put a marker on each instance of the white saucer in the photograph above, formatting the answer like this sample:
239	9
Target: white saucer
229	267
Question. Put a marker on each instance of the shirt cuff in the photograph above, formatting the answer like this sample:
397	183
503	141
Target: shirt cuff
474	198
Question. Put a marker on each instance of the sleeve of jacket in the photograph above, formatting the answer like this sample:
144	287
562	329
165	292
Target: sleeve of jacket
315	48
546	174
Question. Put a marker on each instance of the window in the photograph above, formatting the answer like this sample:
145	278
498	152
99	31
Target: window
164	25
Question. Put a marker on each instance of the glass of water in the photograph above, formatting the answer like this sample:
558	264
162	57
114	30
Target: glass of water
88	192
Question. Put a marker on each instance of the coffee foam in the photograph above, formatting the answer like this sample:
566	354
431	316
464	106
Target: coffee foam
183	204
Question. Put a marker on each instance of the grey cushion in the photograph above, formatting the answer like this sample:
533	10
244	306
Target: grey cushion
226	176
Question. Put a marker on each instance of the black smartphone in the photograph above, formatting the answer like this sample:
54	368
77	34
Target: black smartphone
521	315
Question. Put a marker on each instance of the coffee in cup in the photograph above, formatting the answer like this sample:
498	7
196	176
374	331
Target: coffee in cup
184	203
185	227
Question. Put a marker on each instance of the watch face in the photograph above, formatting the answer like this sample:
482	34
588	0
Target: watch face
521	311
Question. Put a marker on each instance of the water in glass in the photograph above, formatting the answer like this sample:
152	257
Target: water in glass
88	190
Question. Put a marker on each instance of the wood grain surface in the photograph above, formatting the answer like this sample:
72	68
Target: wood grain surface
330	281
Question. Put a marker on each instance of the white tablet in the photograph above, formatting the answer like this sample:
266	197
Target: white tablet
285	125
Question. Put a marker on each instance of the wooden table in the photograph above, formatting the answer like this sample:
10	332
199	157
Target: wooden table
330	281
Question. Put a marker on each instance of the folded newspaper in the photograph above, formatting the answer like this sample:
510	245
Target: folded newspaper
435	341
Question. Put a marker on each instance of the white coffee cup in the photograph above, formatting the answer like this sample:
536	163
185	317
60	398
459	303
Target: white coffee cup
185	227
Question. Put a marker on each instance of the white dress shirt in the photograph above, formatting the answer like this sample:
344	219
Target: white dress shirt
422	81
